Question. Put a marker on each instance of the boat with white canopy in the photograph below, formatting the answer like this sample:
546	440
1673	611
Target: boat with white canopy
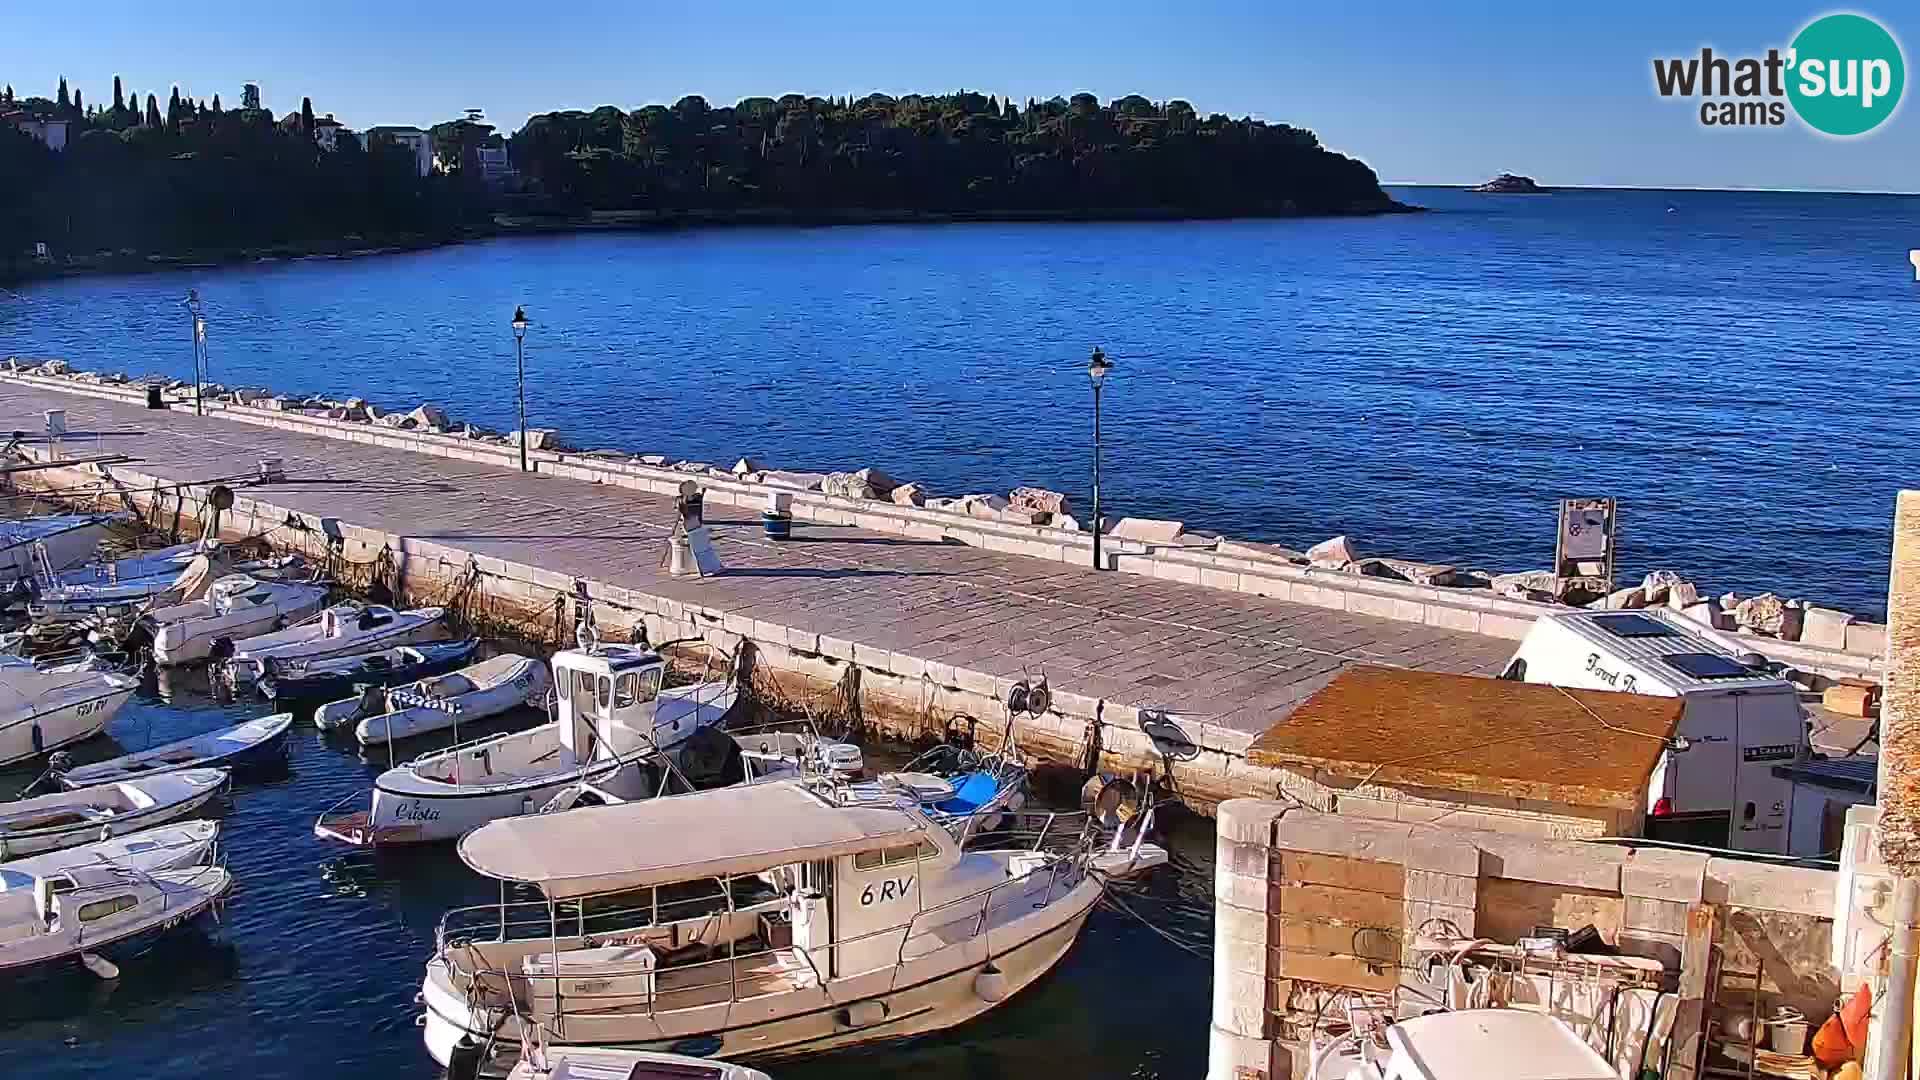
47	705
765	920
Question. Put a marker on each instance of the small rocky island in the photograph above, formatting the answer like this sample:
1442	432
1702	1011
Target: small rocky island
1511	184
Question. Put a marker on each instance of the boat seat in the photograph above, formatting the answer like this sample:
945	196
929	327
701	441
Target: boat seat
449	685
976	791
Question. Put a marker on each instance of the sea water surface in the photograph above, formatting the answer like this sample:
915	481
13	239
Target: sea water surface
1735	367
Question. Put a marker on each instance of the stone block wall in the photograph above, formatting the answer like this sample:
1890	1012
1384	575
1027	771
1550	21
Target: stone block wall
1313	906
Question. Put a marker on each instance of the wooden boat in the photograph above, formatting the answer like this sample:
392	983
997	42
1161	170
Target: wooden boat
438	702
341	630
67	818
259	743
47	706
100	916
236	606
163	847
763	920
308	680
613	727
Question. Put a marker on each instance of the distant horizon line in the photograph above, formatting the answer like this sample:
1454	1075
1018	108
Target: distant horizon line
1653	187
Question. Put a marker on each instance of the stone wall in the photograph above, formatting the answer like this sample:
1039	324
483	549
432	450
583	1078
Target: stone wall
1310	907
1161	550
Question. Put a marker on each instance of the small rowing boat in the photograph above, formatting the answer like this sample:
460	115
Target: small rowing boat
256	744
313	680
486	689
68	818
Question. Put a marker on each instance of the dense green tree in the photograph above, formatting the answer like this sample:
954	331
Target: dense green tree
77	106
8	95
173	110
119	102
216	104
306	117
61	99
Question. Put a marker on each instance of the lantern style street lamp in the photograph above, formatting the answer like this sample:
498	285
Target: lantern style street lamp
520	358
1097	369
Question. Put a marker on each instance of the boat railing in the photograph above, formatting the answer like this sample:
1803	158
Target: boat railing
636	987
527	920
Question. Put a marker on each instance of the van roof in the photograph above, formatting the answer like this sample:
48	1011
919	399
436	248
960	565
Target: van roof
1474	734
1679	655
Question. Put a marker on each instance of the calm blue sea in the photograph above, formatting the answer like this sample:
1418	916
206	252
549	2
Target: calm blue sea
1734	366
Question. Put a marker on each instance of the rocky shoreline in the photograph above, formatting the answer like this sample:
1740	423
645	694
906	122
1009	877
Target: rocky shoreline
1765	616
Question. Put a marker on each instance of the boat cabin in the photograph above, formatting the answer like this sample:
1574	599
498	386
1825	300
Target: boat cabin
605	699
31	905
342	620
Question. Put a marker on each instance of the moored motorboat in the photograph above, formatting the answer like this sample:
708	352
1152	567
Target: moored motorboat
57	543
66	818
341	630
100	916
45	706
488	688
166	578
614	726
259	743
839	924
236	607
311	680
163	847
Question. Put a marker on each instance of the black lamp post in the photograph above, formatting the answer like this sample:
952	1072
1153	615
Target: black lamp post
199	347
1097	369
520	357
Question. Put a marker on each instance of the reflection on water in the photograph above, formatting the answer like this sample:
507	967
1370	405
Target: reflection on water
314	973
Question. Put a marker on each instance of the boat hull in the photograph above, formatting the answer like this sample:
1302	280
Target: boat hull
65	548
65	724
398	818
195	642
928	994
249	661
279	682
255	746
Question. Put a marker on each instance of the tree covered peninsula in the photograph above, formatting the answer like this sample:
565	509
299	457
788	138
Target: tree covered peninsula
100	184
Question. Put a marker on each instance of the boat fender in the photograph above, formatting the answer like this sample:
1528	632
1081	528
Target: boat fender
990	985
39	740
863	1014
463	1061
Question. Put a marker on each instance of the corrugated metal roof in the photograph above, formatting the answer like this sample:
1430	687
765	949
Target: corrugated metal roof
1480	735
1856	773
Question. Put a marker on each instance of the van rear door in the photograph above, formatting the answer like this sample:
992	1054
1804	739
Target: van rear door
1771	730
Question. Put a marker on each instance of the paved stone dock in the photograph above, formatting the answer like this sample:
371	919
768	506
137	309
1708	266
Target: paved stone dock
933	612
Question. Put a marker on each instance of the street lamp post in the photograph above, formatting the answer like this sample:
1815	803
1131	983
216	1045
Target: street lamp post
1097	369
199	347
520	356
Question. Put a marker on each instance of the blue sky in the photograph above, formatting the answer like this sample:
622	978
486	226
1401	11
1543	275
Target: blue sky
1440	93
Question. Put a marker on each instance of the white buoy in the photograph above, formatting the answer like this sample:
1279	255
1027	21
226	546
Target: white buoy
1914	257
100	966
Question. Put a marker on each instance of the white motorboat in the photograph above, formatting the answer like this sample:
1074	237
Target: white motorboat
46	706
438	702
58	542
538	1063
762	920
236	607
613	724
100	916
255	744
1480	1044
341	630
163	847
67	818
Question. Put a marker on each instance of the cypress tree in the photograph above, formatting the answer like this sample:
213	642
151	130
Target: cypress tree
133	107
119	102
173	110
63	101
306	116
153	111
8	96
77	107
216	104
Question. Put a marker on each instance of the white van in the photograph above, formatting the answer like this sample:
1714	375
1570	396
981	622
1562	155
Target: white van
1739	722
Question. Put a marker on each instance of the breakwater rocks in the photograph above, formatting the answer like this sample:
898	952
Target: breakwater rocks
1335	573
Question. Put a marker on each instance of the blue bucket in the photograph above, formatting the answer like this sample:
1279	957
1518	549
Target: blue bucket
778	526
